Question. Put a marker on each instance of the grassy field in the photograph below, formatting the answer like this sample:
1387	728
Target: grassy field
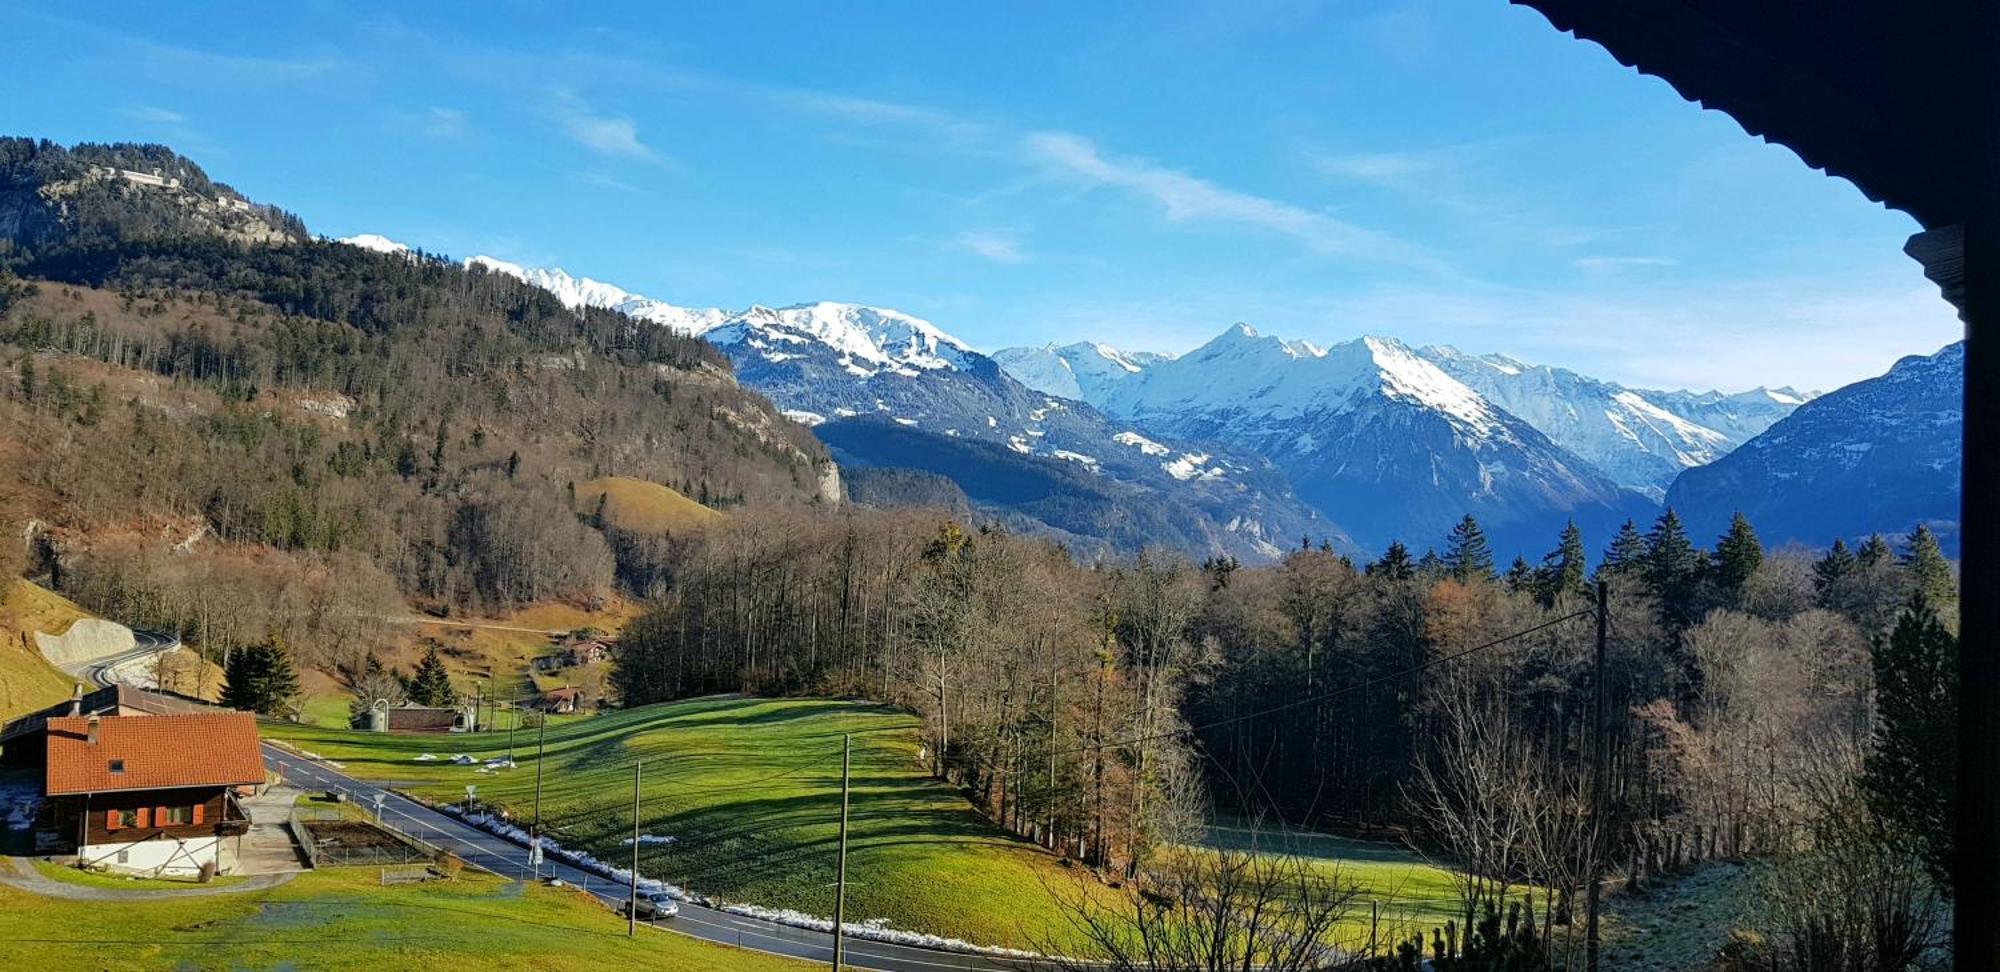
1410	894
28	681
343	920
750	790
641	506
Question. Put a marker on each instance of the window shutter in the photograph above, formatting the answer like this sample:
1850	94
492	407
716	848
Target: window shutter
197	812
111	820
160	817
145	816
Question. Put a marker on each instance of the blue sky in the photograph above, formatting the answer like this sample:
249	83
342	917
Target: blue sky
1442	171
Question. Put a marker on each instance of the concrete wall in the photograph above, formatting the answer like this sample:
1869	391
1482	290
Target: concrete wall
86	640
164	855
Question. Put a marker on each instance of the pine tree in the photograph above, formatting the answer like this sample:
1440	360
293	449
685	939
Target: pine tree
260	679
1467	555
1520	578
1562	570
1430	566
1395	564
1873	551
431	684
1830	575
1672	569
1930	573
1737	556
1911	776
1627	552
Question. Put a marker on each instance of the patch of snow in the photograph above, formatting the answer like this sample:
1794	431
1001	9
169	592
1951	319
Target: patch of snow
1140	442
806	418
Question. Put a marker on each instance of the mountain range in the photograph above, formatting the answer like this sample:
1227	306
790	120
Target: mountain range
1250	440
1877	456
886	389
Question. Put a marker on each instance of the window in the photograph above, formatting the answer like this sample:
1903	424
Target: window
124	856
122	819
117	766
176	815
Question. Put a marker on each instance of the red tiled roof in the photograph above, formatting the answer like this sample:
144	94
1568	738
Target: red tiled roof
157	752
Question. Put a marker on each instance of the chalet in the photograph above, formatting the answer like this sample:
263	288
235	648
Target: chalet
585	653
560	701
154	794
21	739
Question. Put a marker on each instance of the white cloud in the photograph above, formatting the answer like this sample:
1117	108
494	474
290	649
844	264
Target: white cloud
994	245
156	116
445	124
1187	198
1620	262
608	135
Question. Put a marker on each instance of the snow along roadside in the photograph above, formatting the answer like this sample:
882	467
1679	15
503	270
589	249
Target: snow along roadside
874	929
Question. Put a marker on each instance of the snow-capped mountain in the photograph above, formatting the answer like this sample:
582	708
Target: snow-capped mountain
1083	371
1375	436
577	292
885	388
912	396
1878	456
1641	439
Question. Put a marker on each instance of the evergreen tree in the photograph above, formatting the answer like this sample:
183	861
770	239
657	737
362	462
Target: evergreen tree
1430	566
431	684
1672	569
1562	570
1520	577
1467	555
1930	573
1830	575
1737	556
1627	552
1873	552
1911	776
260	679
406	459
1395	564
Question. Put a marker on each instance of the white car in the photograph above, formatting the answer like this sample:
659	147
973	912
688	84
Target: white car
655	906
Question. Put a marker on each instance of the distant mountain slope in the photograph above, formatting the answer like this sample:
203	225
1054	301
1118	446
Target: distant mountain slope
1375	437
1084	371
1641	439
1878	456
827	362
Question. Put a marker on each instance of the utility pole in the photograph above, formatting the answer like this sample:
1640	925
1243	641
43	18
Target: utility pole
632	904
513	722
535	830
1599	771
840	873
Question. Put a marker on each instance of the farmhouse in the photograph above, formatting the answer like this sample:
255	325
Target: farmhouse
154	794
560	701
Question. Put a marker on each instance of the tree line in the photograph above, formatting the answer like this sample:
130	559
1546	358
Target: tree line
1101	708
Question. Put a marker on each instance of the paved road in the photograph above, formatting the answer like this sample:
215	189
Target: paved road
506	858
147	644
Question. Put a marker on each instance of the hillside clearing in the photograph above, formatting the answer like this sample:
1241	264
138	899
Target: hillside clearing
27	680
641	506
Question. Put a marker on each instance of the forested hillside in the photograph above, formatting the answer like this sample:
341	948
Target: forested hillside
229	428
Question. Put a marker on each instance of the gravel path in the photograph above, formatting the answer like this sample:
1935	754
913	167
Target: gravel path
19	872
